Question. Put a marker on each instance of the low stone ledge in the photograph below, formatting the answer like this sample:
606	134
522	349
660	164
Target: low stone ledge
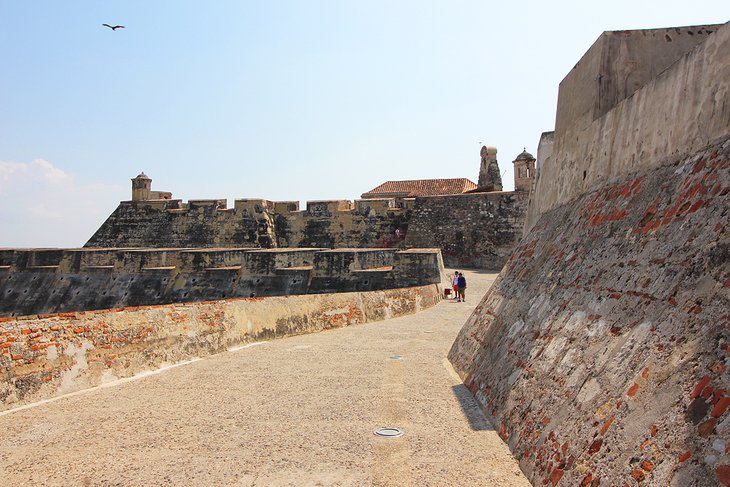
73	280
51	355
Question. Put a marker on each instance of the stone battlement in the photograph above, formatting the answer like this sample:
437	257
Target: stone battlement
254	206
40	281
483	234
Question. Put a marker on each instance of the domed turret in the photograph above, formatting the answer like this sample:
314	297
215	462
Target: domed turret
141	186
524	171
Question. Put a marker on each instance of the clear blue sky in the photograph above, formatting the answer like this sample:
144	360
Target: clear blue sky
283	100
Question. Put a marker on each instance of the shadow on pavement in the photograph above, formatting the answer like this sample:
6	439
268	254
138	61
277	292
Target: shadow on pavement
471	409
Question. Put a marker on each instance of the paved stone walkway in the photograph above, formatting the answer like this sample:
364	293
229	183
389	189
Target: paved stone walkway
297	411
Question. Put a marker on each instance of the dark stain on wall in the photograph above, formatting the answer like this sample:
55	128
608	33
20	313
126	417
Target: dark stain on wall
472	230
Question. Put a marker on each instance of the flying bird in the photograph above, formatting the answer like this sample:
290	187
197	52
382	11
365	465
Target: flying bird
113	27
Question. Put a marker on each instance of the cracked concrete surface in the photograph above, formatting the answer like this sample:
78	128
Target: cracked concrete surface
296	411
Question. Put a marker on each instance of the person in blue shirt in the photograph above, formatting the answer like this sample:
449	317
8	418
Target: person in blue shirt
461	282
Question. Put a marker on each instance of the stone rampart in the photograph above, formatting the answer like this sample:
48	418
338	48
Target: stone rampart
616	65
39	281
681	110
47	356
472	230
601	351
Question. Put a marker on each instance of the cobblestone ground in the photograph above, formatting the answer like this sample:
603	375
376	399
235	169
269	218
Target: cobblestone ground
296	411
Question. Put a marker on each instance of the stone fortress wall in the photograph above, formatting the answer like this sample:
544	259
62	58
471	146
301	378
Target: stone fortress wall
478	230
64	280
625	108
255	223
601	351
472	230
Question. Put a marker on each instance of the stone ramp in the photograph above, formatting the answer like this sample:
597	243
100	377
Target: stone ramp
295	411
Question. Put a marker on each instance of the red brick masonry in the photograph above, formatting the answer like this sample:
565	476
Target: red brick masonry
602	349
43	356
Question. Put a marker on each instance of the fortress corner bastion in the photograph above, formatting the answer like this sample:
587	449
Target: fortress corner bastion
601	352
473	227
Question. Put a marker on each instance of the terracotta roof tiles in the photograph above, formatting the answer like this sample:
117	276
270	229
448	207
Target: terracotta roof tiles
420	187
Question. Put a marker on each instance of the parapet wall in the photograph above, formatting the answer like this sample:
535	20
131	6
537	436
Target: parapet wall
678	112
472	230
254	223
47	356
63	280
617	65
477	230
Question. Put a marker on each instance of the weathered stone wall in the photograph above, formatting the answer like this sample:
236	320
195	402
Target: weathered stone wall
681	110
601	351
253	223
472	230
51	281
46	356
618	64
371	223
478	230
173	224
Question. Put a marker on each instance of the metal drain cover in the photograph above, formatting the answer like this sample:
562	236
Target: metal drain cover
388	432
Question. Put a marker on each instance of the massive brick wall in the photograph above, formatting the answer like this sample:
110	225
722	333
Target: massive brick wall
50	281
45	356
601	351
473	230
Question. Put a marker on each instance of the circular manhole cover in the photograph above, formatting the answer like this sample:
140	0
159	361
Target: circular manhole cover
388	432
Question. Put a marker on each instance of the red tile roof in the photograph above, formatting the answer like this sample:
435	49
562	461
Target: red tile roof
420	187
